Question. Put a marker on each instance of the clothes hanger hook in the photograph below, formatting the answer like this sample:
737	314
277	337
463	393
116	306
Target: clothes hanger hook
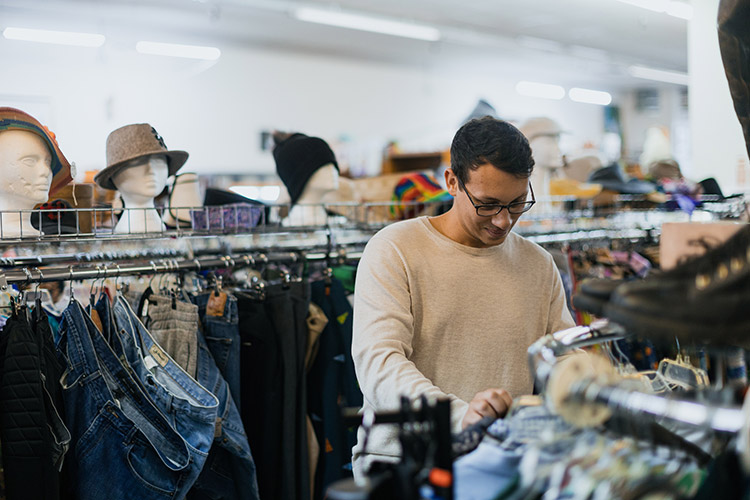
39	282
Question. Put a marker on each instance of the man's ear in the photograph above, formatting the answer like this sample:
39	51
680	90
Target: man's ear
451	181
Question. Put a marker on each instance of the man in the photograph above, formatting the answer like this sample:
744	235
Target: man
446	306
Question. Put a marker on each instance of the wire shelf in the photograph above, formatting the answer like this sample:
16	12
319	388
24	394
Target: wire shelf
551	215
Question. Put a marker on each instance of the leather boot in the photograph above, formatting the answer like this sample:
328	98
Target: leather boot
706	300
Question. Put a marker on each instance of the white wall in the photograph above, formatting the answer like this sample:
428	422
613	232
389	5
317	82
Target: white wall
216	111
670	114
718	144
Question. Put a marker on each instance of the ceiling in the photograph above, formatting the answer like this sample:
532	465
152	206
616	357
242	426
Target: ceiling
571	42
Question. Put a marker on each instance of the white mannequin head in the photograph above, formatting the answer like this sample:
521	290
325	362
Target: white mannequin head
309	211
139	183
24	169
142	180
323	181
546	152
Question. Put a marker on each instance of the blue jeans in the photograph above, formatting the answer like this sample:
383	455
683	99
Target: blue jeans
222	337
189	407
229	472
123	447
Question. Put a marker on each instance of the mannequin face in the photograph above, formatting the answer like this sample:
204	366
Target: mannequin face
24	168
546	151
146	177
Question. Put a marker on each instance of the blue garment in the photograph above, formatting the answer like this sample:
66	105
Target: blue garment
123	447
229	472
222	336
189	407
332	384
494	465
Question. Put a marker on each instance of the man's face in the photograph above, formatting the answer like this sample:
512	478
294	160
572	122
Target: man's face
25	167
487	185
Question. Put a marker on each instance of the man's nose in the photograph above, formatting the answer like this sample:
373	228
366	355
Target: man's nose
503	219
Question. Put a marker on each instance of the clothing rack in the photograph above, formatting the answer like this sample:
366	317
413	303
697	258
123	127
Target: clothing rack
83	257
28	275
627	402
598	391
544	353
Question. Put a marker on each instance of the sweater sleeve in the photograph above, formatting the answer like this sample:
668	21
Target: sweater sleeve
383	331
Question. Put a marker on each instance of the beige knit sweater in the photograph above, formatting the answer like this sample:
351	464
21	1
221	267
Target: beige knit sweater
434	317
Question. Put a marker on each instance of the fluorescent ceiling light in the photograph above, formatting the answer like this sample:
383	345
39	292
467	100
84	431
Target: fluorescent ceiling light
675	8
659	75
264	193
590	96
543	90
177	50
56	37
368	23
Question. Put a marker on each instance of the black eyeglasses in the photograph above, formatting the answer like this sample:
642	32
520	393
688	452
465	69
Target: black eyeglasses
515	208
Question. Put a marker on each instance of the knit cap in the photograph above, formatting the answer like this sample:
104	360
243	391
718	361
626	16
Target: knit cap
297	158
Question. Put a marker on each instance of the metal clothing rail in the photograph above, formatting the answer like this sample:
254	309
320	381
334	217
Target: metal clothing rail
725	419
82	257
544	354
214	262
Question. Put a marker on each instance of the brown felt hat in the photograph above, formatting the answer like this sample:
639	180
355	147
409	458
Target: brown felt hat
132	142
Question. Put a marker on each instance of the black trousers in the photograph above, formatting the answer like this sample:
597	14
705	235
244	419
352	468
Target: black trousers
274	396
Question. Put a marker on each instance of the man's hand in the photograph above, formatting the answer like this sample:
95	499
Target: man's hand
488	403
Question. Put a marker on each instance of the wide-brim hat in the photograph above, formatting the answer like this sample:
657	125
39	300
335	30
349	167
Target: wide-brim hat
131	142
15	119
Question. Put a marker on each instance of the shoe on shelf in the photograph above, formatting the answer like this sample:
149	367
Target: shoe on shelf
705	300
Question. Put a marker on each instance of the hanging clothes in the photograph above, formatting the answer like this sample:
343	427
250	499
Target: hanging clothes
118	434
332	384
230	471
34	437
274	342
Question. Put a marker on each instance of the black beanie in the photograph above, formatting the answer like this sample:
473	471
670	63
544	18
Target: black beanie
298	158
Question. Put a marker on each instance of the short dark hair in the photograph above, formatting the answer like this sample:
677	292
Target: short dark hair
493	141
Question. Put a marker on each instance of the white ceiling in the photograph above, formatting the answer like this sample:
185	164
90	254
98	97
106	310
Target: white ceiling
571	42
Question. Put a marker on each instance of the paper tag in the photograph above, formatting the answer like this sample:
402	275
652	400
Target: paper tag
144	311
217	429
158	355
216	303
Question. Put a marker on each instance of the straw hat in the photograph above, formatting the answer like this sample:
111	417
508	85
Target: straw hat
15	119
130	143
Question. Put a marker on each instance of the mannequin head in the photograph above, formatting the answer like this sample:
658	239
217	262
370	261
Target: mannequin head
656	147
142	179
25	169
134	146
299	159
544	138
323	181
546	151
